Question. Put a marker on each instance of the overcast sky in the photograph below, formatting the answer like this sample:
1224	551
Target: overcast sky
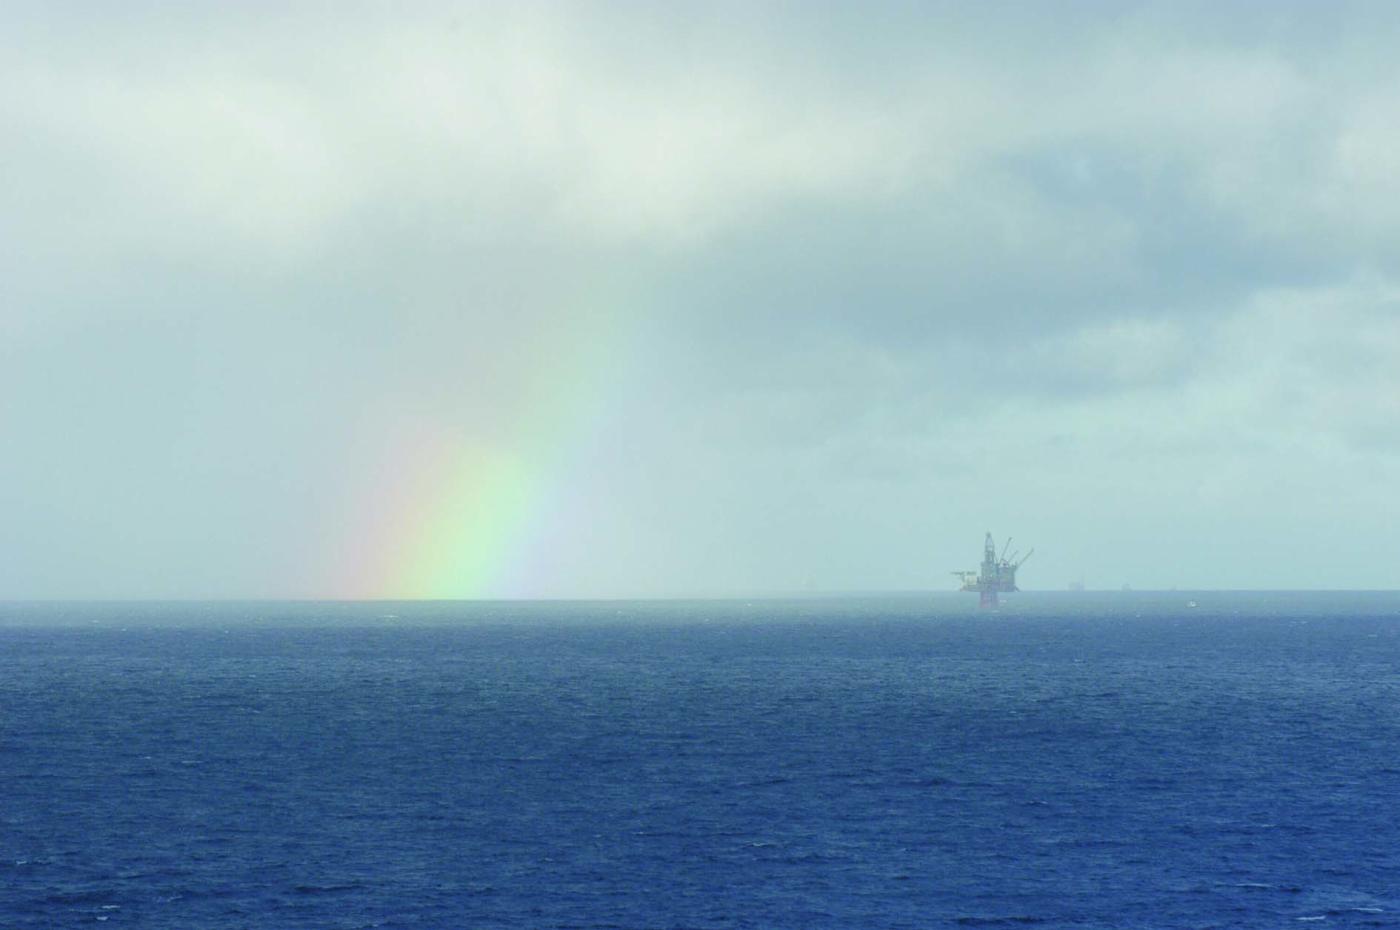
654	299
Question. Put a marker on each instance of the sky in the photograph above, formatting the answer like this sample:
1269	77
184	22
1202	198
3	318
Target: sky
338	300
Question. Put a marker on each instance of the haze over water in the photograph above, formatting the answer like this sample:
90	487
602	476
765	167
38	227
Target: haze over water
1068	762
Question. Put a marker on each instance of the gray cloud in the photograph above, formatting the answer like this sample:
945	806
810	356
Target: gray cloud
814	295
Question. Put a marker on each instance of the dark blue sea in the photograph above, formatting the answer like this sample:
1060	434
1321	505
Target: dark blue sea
1072	761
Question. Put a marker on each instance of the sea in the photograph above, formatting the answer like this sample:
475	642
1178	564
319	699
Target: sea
1073	760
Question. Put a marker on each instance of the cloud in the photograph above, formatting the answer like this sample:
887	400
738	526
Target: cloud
881	274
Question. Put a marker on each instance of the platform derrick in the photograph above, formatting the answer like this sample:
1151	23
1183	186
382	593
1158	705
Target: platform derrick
998	573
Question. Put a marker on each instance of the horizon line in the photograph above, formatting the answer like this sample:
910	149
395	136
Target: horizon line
664	598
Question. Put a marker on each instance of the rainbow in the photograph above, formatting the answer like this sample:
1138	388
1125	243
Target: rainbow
465	514
468	516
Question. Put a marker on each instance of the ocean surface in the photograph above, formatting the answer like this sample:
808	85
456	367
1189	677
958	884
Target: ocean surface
1071	761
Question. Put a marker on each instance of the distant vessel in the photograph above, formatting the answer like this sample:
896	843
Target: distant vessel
998	573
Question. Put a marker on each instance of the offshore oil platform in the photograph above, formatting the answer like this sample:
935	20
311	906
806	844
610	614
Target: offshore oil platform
998	573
